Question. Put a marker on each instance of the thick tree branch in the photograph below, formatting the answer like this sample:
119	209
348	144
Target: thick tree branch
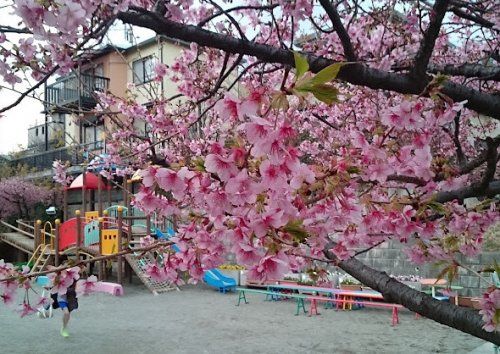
476	19
491	163
357	74
476	190
495	142
332	13
429	40
463	319
466	70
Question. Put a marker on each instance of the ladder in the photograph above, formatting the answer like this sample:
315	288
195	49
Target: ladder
139	265
41	258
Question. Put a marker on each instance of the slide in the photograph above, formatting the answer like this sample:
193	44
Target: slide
212	277
215	278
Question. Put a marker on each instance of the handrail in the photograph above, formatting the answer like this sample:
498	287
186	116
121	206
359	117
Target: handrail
20	222
50	234
17	229
134	217
32	258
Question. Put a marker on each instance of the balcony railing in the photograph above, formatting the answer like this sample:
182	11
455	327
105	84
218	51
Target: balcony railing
74	154
74	91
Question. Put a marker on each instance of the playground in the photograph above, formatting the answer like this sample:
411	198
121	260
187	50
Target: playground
201	320
217	315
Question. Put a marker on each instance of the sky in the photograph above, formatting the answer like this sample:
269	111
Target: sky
14	123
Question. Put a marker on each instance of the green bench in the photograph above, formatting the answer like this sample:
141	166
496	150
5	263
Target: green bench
300	298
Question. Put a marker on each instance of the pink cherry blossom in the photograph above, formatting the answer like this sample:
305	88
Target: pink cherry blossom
222	167
25	309
273	176
270	267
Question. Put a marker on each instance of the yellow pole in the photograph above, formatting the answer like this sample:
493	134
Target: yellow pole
120	238
101	263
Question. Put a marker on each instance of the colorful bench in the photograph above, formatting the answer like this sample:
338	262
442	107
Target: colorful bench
299	298
314	299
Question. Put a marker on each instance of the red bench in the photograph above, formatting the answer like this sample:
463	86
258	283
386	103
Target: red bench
315	299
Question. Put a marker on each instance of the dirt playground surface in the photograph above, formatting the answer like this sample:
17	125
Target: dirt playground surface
200	320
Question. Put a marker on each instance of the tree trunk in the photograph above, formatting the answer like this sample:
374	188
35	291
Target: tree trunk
464	319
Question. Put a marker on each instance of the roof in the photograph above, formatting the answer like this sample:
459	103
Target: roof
153	40
92	55
91	182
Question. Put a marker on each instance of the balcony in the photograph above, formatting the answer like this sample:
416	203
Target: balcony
74	154
73	92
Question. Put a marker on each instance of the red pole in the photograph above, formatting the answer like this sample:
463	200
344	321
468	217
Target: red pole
78	233
56	242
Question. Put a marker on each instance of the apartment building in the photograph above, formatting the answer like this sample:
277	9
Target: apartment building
73	129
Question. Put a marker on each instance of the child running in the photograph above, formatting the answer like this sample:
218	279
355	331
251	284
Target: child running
67	302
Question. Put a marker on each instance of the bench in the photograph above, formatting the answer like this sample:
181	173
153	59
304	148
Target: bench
395	307
313	299
300	298
110	288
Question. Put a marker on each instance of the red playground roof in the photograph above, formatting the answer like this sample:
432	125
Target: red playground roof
91	182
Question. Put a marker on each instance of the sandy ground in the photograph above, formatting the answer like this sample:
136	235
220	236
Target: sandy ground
200	320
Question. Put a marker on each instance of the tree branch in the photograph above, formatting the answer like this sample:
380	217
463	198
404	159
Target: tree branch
466	70
429	40
472	191
9	29
332	13
463	319
476	19
495	142
356	74
491	164
236	8
27	92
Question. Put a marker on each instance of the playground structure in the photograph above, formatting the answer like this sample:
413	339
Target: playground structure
103	232
86	236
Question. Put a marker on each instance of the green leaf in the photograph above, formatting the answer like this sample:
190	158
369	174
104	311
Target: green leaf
325	93
295	228
327	74
279	101
199	164
449	272
437	207
301	64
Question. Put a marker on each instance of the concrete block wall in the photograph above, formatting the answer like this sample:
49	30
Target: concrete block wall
390	258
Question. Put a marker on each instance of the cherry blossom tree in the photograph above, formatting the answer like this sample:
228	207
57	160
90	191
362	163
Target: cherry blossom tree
19	197
304	132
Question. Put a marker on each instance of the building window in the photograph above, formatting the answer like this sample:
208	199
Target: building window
36	131
143	70
43	130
